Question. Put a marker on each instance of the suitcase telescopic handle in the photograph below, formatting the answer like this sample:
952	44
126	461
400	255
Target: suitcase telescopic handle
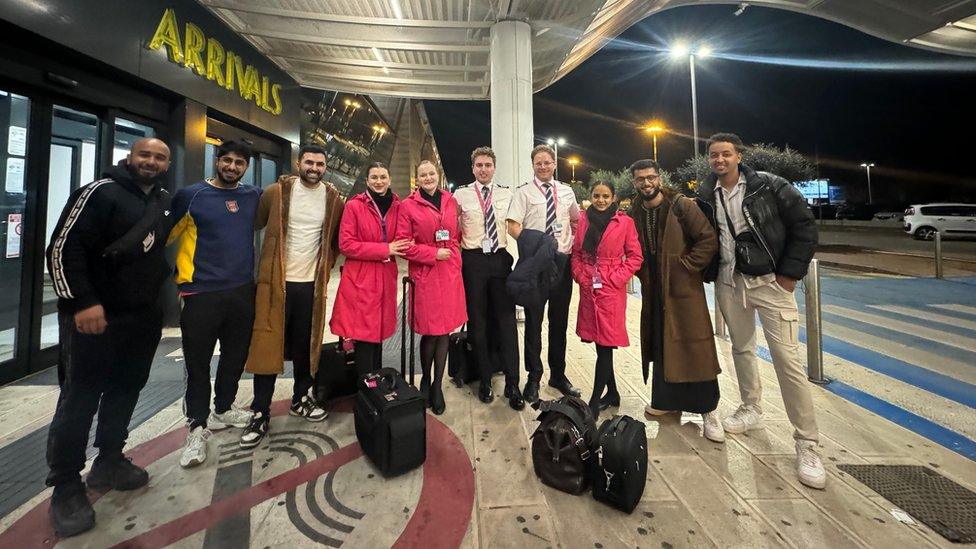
407	324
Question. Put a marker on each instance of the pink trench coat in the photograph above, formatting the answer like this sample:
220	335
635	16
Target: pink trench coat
602	316
439	291
365	307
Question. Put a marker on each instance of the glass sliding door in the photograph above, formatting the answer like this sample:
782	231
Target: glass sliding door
14	124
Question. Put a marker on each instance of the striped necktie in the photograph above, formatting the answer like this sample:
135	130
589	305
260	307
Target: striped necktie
550	209
491	228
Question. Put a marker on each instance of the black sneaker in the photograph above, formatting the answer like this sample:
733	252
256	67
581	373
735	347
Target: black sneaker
71	513
116	473
308	409
255	430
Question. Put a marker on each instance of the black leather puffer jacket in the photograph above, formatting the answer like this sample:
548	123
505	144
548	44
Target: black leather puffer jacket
777	214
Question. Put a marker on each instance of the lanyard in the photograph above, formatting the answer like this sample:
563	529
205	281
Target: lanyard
377	208
552	189
438	214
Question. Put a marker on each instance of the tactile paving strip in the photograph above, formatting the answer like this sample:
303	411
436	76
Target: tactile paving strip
929	497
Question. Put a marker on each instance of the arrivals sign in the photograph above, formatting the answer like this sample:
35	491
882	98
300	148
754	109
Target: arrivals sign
207	57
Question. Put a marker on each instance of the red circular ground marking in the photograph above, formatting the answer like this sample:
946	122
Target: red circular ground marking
440	520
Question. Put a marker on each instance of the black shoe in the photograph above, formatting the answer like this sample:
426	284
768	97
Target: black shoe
71	513
531	391
116	473
485	394
609	400
256	429
514	397
564	387
436	401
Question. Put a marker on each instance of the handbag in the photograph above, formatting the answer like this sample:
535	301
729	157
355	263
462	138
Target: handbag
750	257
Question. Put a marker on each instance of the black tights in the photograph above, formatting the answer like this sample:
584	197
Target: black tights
433	352
604	378
368	356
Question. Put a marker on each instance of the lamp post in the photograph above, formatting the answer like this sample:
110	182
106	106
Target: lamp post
572	164
655	128
681	50
868	167
555	144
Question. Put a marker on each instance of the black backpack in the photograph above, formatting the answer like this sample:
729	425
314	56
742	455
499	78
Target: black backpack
620	463
561	444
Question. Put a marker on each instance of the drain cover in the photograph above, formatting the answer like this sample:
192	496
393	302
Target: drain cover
940	503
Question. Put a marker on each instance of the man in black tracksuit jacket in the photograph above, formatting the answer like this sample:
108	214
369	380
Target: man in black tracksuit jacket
107	263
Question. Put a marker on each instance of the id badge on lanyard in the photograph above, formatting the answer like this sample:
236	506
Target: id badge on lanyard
597	281
442	235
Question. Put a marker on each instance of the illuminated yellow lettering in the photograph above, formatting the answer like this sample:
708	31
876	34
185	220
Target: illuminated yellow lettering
249	86
265	91
240	70
232	68
276	97
193	42
215	61
168	34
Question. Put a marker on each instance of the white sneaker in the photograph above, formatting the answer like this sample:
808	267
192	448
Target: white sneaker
809	467
235	417
746	418
713	428
655	412
195	451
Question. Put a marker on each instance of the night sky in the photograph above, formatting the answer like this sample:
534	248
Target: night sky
835	94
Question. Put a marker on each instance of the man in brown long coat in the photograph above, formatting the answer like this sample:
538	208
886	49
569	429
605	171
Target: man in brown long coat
301	217
676	330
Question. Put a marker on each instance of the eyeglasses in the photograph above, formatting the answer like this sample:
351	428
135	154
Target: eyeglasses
648	179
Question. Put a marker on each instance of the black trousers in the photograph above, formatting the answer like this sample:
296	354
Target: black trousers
226	316
104	374
559	296
488	301
299	303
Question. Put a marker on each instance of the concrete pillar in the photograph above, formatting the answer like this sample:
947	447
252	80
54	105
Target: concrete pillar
512	134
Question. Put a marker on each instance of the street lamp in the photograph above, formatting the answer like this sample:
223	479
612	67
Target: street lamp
655	128
868	168
681	50
555	144
572	164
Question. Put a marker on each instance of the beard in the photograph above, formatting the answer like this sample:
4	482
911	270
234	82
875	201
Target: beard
652	194
229	182
311	178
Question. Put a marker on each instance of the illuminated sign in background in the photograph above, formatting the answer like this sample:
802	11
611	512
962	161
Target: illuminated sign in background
208	58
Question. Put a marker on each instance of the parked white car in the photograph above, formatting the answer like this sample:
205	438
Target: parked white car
922	221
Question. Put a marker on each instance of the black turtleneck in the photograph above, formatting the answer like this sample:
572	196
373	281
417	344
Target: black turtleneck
434	199
383	202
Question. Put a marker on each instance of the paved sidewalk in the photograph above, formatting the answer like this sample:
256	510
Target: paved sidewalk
308	484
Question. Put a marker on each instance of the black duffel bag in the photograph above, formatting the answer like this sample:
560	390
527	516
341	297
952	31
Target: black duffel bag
620	463
561	444
336	376
391	422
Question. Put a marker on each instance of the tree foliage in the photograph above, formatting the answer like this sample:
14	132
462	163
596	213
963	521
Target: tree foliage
787	163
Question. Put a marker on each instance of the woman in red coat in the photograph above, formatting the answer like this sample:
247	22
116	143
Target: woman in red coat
365	307
606	254
429	217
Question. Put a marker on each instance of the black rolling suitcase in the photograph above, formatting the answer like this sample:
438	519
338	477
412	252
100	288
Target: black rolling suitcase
336	376
620	464
390	417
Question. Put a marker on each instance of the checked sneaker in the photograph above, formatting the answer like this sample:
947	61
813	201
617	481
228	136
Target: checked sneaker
308	409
